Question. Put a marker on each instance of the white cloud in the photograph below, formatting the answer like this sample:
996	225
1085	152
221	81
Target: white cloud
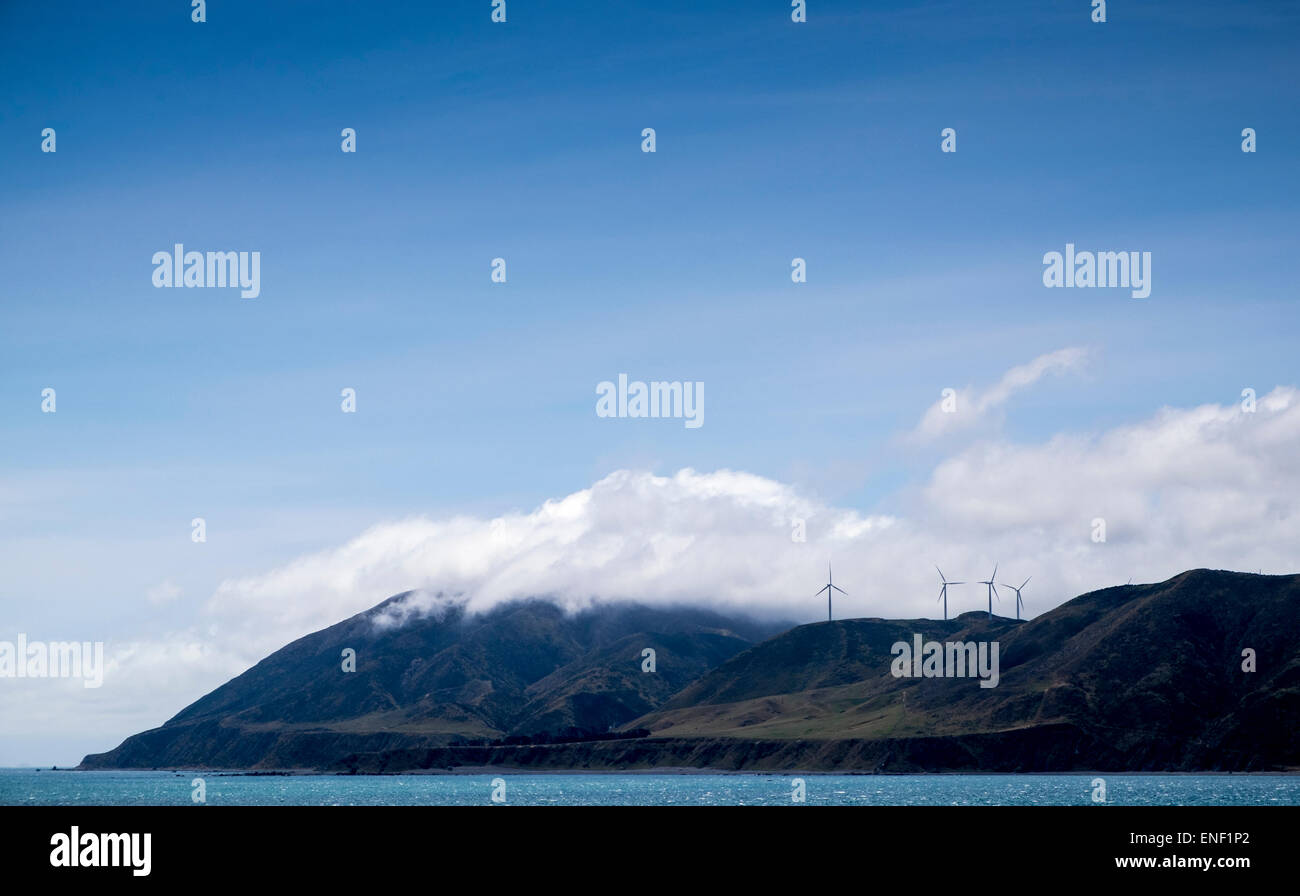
972	406
163	593
1207	486
692	536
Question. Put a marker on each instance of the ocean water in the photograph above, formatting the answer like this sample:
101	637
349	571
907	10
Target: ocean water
31	787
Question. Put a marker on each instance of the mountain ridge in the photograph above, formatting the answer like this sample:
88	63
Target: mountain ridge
441	677
1133	677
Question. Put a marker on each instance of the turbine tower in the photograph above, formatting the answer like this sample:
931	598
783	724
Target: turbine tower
830	585
1019	602
943	592
993	589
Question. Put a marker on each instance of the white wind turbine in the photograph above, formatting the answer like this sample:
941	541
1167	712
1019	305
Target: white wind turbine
830	584
993	589
943	591
1019	602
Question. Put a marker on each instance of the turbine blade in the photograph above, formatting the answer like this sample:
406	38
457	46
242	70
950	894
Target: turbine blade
840	590
1025	582
936	566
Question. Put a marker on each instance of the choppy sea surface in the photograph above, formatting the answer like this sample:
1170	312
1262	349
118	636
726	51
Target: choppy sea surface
153	788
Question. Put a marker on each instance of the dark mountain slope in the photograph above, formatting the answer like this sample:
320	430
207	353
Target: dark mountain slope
1151	675
521	669
602	689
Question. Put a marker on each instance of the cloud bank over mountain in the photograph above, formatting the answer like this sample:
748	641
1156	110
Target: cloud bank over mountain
1209	486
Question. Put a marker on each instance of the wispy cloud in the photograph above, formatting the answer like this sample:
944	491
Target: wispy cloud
163	593
968	407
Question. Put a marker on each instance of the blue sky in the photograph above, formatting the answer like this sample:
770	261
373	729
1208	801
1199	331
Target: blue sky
522	140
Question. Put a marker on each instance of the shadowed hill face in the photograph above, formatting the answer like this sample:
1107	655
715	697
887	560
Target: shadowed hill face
819	656
525	668
483	674
602	689
1155	670
1168	663
827	680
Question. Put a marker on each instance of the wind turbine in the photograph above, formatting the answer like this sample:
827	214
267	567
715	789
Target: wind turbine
830	584
943	592
1019	602
993	589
